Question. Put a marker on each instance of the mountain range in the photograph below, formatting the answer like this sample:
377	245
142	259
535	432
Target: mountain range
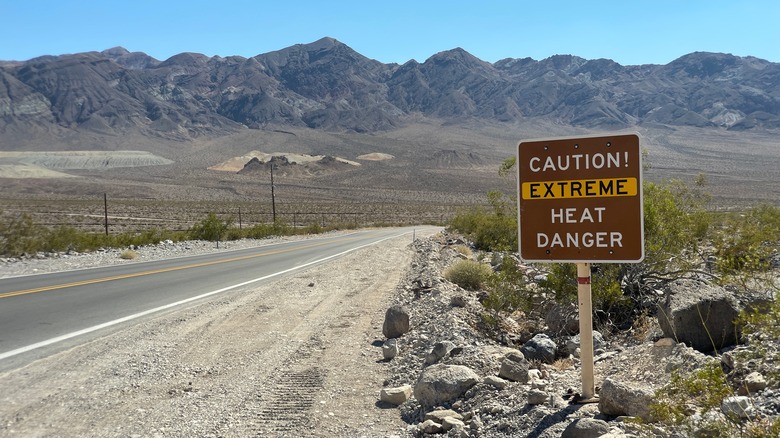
325	85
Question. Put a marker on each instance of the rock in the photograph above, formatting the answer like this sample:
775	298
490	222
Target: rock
620	399
390	348
458	301
440	414
563	319
496	382
698	314
440	383
430	427
440	350
586	428
753	383
540	348
663	347
514	367
573	343
737	407
397	395
396	322
537	397
476	424
450	423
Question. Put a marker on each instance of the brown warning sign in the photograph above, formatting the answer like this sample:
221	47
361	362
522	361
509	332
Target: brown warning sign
580	199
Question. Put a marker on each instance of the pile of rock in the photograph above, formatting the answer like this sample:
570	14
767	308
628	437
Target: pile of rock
448	377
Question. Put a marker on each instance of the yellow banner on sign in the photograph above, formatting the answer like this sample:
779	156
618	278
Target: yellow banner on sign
581	188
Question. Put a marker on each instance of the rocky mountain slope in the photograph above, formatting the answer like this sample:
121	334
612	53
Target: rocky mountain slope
327	85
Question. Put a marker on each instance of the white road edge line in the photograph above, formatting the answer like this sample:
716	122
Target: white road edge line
178	303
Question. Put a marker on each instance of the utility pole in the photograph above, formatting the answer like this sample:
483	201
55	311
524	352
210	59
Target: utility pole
273	194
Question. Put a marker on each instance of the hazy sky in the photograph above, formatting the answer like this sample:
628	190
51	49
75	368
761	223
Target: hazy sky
627	31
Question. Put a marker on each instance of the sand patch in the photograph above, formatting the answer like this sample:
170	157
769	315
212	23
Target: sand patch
375	156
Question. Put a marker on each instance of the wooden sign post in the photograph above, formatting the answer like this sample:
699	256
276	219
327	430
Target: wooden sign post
579	200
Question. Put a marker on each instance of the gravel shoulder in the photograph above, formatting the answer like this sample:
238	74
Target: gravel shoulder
298	357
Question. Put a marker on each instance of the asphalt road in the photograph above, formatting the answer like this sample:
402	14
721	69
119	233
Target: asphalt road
43	314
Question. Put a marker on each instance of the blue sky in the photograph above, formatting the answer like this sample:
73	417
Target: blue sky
627	31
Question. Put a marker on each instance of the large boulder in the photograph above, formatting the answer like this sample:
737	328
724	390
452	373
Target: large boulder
396	322
540	348
618	399
699	314
440	383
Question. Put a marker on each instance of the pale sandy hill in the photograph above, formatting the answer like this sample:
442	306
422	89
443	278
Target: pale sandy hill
375	156
236	164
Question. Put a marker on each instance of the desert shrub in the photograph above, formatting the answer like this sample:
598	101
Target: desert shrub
128	254
313	228
704	388
746	242
19	235
702	391
494	230
507	291
211	228
613	306
760	328
675	223
462	250
261	231
488	231
468	274
64	238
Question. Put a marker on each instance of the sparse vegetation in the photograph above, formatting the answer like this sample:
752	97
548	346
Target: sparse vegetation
468	274
211	228
21	235
683	239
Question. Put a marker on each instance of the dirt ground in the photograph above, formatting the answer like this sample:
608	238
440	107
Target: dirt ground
297	357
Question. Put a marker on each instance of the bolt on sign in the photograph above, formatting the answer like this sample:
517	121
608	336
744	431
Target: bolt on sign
580	199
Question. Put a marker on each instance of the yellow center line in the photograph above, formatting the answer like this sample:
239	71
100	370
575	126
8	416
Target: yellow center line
156	271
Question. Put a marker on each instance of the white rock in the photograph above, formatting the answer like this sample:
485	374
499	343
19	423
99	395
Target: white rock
430	426
397	395
390	348
737	406
496	382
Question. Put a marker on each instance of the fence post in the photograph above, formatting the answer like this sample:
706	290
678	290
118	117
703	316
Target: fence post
105	211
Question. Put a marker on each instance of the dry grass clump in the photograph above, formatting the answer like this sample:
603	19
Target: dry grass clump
468	274
462	250
128	254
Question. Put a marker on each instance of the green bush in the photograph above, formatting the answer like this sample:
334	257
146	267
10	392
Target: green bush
507	291
468	274
704	388
702	391
211	228
613	305
488	231
19	235
746	242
